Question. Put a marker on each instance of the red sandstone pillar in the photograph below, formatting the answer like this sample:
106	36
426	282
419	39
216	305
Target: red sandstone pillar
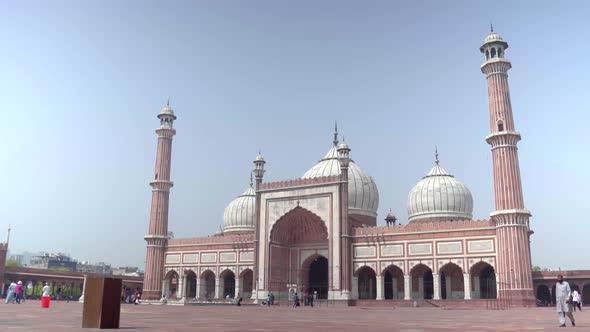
157	238
511	218
258	174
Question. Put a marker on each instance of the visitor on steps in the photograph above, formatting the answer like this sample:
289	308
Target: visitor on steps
563	301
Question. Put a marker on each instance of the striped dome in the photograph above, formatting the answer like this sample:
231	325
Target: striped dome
239	213
363	196
438	197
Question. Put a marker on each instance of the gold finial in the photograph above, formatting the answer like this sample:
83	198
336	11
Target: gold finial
436	154
335	141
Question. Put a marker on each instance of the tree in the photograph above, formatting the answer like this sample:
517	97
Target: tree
536	268
13	262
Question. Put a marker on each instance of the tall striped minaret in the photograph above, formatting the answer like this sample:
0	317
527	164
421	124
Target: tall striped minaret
514	271
157	238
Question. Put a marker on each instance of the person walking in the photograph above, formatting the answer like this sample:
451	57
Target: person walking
136	296
19	291
239	300
272	299
563	295
576	299
10	294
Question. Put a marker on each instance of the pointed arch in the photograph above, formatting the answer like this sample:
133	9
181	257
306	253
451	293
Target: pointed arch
299	226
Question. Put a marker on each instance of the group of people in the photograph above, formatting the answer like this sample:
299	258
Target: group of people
135	297
566	300
16	292
307	300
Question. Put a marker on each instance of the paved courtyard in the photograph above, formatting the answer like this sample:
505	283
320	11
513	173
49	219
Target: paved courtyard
67	317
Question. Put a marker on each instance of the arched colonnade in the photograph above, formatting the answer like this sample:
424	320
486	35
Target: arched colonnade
207	285
449	282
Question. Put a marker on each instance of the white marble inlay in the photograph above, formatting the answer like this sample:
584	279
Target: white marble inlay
208	257
480	245
392	250
420	249
449	247
172	259
190	258
364	251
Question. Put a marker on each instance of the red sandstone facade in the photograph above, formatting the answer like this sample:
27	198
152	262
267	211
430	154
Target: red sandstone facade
305	238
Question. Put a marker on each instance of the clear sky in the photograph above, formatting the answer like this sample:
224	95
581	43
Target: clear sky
81	83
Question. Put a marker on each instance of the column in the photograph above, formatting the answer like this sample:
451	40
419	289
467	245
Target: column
198	290
218	288
421	287
164	288
380	287
448	287
436	286
355	288
2	290
407	287
467	285
238	290
180	289
394	288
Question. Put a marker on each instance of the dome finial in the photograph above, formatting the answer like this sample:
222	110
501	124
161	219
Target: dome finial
168	101
491	26
251	183
335	141
436	155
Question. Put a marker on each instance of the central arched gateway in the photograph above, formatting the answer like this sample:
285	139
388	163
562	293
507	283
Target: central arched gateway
298	250
316	269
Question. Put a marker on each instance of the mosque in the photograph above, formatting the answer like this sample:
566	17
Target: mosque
318	234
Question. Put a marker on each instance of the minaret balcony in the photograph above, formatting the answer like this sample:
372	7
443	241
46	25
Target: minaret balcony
503	139
161	185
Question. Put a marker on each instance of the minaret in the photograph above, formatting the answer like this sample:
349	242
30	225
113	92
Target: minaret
3	253
157	238
346	249
511	218
258	174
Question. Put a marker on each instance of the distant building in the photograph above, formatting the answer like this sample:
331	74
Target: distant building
100	268
132	271
57	261
18	258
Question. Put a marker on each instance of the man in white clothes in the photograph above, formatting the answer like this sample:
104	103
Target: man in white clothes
46	290
563	293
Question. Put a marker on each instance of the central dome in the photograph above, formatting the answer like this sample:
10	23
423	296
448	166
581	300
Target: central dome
363	197
439	196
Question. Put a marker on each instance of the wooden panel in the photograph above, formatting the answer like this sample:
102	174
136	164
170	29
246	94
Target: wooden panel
92	302
111	303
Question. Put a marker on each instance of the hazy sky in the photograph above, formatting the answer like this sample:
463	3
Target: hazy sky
81	83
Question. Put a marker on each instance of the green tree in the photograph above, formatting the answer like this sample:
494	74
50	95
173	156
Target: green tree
13	262
536	268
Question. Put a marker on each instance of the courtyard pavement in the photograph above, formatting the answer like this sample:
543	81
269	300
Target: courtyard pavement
66	317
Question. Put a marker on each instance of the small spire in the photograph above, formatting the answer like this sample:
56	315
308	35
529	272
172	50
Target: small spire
251	183
335	141
491	27
168	101
8	235
436	154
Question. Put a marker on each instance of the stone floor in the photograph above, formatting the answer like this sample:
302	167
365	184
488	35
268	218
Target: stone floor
67	317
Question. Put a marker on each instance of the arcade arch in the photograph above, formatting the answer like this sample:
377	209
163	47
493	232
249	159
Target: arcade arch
483	281
227	284
451	282
208	284
422	282
393	283
367	283
171	284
